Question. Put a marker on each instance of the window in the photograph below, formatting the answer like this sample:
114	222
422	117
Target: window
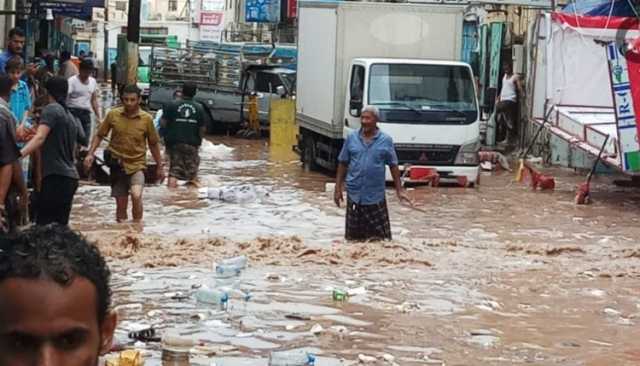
432	92
357	83
356	88
173	5
267	82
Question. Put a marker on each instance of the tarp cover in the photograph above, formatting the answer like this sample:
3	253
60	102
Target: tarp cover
616	8
575	60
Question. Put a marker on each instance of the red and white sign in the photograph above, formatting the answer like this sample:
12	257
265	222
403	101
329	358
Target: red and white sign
292	9
211	18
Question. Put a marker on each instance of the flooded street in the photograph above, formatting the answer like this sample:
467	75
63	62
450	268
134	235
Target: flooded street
497	275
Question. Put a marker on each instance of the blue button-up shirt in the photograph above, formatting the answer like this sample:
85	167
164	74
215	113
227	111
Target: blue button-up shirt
20	100
366	171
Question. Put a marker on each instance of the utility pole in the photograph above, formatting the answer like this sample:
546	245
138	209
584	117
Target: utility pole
107	66
133	38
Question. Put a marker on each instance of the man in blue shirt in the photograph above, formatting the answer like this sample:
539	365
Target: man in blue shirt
15	47
362	161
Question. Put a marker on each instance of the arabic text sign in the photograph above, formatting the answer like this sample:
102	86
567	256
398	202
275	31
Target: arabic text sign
623	101
211	18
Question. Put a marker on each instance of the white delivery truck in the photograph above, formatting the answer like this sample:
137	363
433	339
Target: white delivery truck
401	58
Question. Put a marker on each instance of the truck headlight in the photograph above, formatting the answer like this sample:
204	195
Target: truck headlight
468	154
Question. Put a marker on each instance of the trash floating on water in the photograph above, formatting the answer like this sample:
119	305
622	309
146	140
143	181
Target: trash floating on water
235	194
339	295
317	329
291	358
209	150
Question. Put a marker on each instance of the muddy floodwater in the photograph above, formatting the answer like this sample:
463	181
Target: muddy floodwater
497	275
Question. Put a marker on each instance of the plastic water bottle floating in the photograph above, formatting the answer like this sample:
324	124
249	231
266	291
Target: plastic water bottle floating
239	261
291	358
227	270
214	297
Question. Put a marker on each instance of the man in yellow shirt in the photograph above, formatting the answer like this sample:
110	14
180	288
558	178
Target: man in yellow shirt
131	131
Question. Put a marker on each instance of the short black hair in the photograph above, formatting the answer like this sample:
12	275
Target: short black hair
58	87
5	85
86	65
130	89
57	253
65	55
189	90
14	63
16	32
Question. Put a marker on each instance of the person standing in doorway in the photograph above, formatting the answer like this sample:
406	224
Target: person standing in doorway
67	67
131	131
507	105
361	164
184	123
83	96
15	47
58	133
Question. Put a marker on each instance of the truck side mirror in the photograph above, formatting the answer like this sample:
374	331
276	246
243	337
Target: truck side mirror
355	106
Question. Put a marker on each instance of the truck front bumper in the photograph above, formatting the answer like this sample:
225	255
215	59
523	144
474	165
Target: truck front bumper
461	175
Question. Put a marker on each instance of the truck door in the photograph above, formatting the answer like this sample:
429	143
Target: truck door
355	98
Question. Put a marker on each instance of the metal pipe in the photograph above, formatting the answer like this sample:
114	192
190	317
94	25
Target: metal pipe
107	66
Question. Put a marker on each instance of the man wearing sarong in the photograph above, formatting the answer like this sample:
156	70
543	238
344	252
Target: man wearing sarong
361	164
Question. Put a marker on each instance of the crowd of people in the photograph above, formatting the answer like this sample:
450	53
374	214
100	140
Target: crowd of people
46	113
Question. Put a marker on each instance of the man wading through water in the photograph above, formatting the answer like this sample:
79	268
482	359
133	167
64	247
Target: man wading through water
131	131
362	161
184	124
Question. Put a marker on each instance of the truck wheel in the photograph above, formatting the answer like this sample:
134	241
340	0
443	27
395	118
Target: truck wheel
309	154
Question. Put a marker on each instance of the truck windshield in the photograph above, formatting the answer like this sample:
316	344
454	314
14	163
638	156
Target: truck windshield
436	92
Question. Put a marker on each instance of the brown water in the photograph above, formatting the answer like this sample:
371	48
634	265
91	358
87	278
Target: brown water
498	275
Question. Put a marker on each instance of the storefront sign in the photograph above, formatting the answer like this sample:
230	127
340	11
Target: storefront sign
626	97
73	8
292	9
262	11
211	18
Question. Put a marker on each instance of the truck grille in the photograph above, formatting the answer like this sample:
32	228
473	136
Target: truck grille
426	154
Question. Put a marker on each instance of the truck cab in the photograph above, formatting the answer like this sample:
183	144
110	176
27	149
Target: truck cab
429	108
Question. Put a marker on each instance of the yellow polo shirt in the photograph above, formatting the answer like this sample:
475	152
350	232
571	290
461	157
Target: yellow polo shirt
129	137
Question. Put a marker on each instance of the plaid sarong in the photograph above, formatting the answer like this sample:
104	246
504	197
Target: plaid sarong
367	222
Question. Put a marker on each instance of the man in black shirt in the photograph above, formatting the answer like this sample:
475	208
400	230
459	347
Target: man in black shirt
58	133
184	123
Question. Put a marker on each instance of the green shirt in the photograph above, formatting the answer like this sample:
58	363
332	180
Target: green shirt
184	120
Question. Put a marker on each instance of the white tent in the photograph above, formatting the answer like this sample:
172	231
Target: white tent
569	78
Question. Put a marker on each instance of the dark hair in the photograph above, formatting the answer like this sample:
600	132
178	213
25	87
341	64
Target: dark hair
86	65
130	89
64	56
16	32
41	101
14	63
56	253
189	90
50	61
58	87
5	85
